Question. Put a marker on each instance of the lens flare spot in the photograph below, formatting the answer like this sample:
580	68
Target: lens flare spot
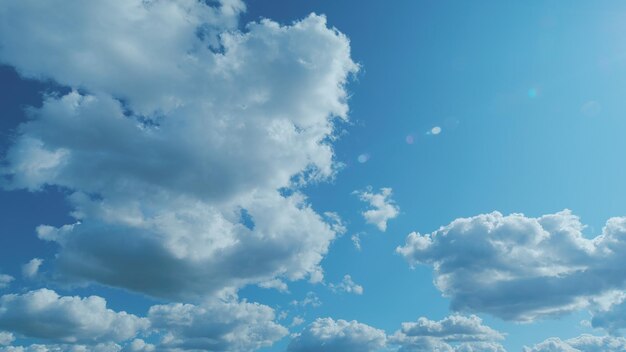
435	130
363	158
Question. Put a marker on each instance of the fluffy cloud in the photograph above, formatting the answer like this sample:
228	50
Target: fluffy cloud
85	324
297	321
31	268
428	335
338	336
383	208
193	251
46	315
5	280
180	123
6	338
138	50
216	326
453	328
493	263
611	316
347	285
101	347
276	284
480	347
139	345
583	343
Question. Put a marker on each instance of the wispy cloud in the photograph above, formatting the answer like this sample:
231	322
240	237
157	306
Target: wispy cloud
347	285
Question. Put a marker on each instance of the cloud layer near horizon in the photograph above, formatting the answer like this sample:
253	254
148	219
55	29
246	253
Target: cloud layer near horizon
455	333
46	315
583	343
73	323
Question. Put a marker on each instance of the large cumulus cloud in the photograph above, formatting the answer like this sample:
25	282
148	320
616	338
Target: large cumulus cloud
178	122
523	268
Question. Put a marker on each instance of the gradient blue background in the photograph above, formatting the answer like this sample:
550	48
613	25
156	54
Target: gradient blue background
530	99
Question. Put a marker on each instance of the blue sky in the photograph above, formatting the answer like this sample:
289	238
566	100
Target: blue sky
239	176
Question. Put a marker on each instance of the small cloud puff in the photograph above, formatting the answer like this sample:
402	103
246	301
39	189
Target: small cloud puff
383	208
311	299
5	280
276	284
31	269
297	321
347	285
356	241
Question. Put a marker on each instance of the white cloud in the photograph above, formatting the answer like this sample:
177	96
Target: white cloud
347	285
356	240
383	208
494	264
297	320
5	280
6	338
611	317
276	284
467	333
216	326
46	315
139	345
311	299
336	223
455	328
429	344
31	268
480	347
455	333
187	123
141	51
101	347
328	335
583	343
